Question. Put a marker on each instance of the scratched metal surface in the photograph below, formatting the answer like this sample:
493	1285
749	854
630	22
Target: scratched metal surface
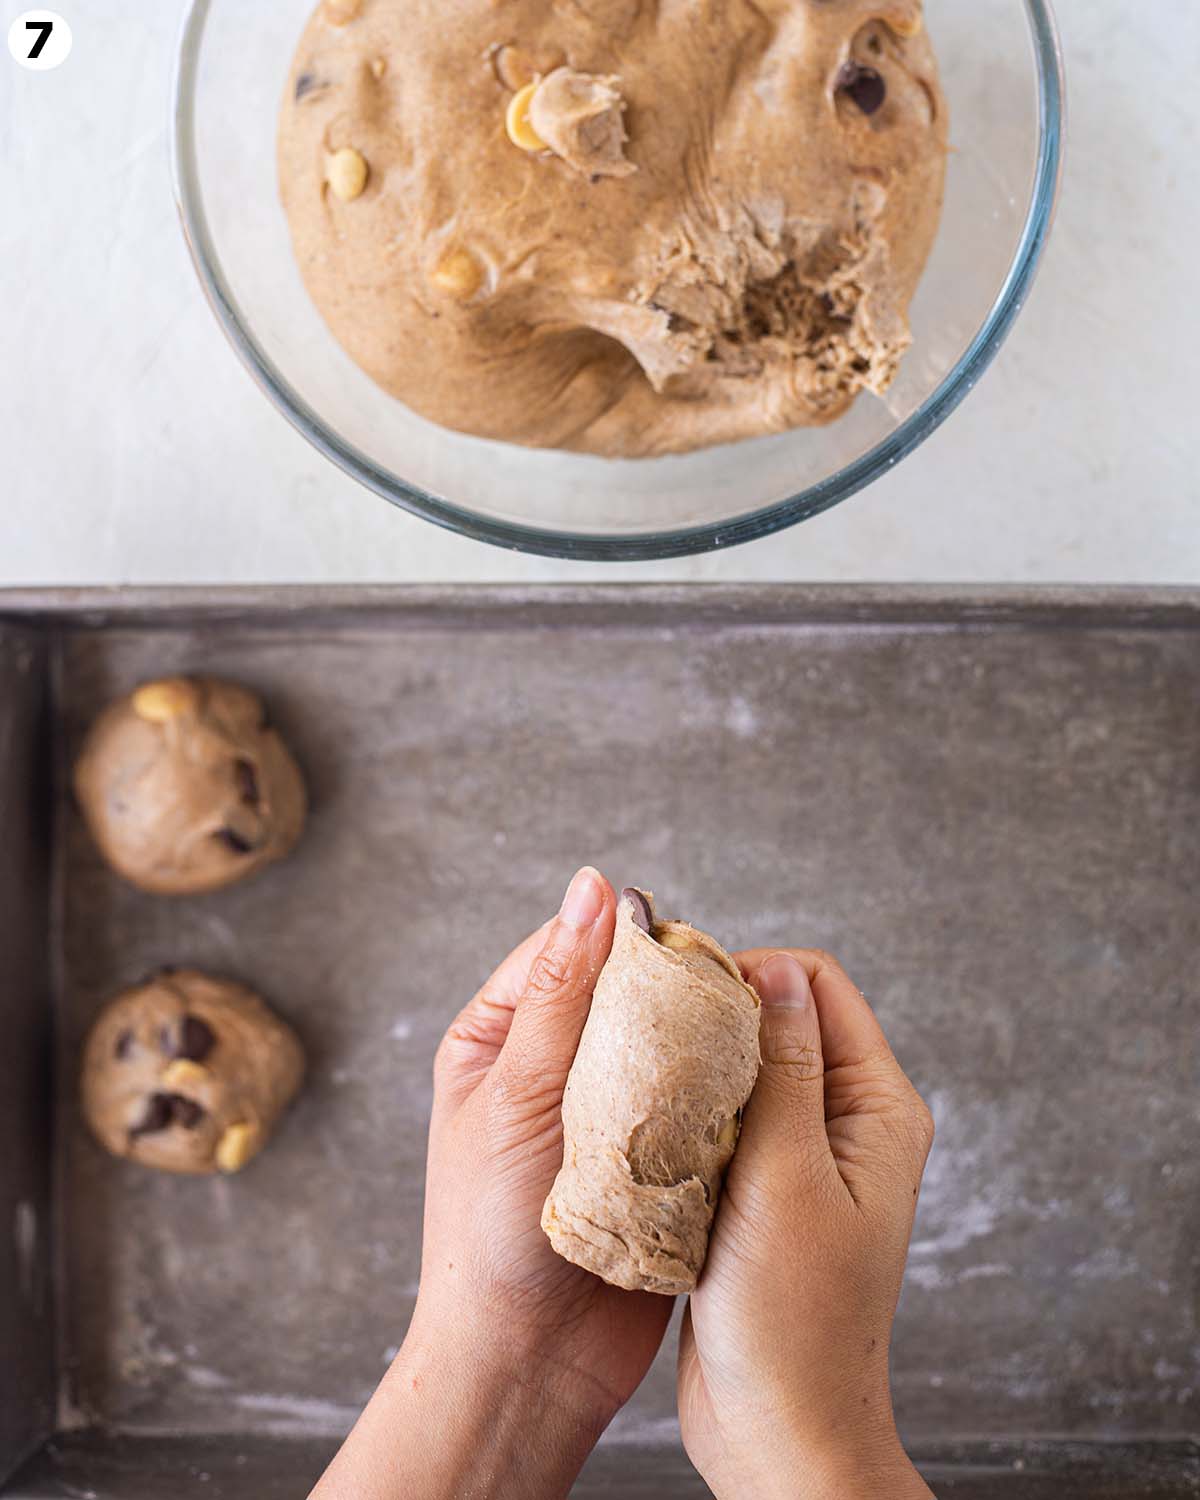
238	1468
991	811
26	1316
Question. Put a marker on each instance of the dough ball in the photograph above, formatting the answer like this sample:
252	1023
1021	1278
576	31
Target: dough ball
652	1105
618	226
188	1073
186	788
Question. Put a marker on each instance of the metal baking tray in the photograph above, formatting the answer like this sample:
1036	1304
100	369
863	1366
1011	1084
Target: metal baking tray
987	804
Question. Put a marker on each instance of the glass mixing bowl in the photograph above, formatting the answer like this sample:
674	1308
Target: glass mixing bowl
1002	73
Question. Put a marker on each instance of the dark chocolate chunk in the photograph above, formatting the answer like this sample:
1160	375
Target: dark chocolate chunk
124	1045
196	1039
232	839
306	84
864	86
167	1109
156	1116
185	1112
247	782
192	1038
641	907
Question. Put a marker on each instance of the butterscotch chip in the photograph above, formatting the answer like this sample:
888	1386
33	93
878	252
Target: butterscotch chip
516	120
904	22
235	1148
458	274
183	1074
346	172
170	698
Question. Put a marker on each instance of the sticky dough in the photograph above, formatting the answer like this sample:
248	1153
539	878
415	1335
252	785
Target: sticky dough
666	1062
705	223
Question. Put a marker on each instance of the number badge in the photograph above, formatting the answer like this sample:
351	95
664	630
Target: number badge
39	40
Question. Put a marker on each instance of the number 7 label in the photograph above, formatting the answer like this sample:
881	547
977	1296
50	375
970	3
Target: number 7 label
39	40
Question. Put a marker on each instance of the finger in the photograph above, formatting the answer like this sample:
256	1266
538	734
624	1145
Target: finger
878	1127
850	1034
473	1040
556	992
688	1378
783	1134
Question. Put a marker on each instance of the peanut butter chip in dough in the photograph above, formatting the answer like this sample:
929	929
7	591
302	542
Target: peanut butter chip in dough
905	21
517	123
160	702
346	173
458	274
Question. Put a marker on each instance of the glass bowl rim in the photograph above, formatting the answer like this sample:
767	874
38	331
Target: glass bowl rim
650	545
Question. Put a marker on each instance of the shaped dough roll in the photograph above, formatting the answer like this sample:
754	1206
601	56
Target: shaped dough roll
652	1105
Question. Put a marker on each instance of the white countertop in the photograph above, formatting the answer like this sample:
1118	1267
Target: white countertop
137	449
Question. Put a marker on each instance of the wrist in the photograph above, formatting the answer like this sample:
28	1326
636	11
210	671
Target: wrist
798	1479
500	1354
864	1475
459	1416
858	1464
516	1422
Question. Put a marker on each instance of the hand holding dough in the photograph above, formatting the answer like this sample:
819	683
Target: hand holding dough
665	1064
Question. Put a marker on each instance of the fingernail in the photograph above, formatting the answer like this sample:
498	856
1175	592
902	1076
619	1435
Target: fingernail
584	900
782	981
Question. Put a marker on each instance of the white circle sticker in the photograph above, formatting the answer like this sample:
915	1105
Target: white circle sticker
39	40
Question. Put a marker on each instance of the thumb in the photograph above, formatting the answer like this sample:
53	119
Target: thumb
556	994
783	1133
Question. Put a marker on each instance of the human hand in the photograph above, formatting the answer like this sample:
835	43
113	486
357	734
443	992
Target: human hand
515	1360
783	1355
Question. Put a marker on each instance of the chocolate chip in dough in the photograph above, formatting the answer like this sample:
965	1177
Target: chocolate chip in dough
640	907
247	782
167	1109
184	1111
155	1117
864	86
232	839
124	1046
194	1039
307	83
